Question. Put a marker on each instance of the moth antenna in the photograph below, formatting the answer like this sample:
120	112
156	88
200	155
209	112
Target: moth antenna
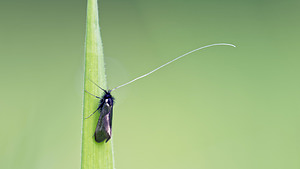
216	44
97	85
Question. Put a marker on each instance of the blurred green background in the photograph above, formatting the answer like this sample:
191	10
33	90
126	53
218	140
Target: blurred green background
222	107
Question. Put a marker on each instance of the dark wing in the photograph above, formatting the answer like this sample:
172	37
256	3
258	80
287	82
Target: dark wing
103	129
110	122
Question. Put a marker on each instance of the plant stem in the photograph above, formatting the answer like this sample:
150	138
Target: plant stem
94	155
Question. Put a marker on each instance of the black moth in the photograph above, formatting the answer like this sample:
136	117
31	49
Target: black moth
104	125
103	129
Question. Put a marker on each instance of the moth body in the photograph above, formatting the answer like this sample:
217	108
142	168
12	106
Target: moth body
103	128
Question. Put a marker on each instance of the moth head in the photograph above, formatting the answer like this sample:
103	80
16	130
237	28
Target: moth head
108	100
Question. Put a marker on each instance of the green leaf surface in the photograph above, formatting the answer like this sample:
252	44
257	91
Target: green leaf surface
94	155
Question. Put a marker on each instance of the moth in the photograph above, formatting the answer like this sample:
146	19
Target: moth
103	130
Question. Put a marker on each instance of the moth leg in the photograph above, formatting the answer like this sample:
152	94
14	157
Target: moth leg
107	139
93	113
92	94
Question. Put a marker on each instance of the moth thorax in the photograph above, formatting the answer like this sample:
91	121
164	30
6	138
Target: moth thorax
108	102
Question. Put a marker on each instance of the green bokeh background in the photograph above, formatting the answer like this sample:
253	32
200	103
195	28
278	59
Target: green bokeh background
221	108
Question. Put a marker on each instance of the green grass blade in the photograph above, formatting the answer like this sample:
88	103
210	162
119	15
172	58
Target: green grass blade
94	155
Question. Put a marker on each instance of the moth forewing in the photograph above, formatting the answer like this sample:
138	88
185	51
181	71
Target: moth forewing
104	125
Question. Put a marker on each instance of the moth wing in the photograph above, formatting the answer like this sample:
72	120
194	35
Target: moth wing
110	121
103	129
